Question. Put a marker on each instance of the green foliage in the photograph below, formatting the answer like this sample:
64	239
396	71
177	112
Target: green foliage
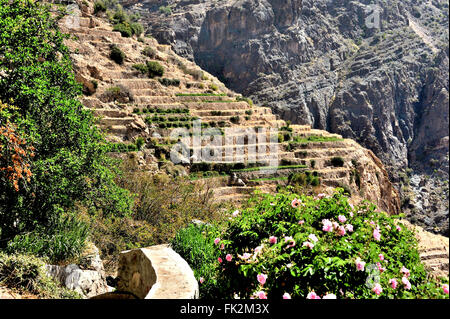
28	274
337	162
245	99
140	142
118	93
166	10
70	164
195	244
150	52
327	264
116	54
315	138
304	179
136	28
63	242
124	29
154	69
168	82
99	6
141	68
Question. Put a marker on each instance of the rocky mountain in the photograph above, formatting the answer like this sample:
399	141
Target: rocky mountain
372	71
132	106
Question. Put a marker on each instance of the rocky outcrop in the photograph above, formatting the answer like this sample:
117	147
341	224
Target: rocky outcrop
88	278
156	272
378	75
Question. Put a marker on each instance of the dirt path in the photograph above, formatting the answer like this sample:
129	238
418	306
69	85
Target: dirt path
421	32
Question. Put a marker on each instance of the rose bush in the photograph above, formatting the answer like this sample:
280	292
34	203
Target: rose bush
286	245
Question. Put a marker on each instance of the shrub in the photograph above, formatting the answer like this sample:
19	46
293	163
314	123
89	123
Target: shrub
195	244
99	6
213	87
117	93
65	241
136	29
150	52
314	256
116	54
28	274
141	68
168	82
124	29
235	119
245	99
166	10
154	69
337	161
140	141
69	164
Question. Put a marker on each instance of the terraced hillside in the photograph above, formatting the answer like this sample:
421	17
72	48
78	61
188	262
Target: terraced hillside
250	149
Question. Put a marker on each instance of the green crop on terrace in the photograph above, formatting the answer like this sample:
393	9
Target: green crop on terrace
252	169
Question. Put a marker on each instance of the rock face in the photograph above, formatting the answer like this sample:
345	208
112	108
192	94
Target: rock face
375	74
88	278
156	272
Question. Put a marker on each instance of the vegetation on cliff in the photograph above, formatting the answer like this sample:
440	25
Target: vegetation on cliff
53	157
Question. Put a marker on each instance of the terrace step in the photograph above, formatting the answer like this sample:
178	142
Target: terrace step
437	254
116	120
115	129
227	190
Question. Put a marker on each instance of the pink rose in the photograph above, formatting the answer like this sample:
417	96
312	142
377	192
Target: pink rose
327	225
349	228
245	256
398	228
219	259
286	296
342	218
341	231
261	278
377	289
295	203
290	240
393	283
377	234
406	282
301	222
201	280
222	246
313	238
405	271
235	213
312	295
445	288
273	240
308	244
381	256
229	257
217	241
360	264
261	295
329	296
380	268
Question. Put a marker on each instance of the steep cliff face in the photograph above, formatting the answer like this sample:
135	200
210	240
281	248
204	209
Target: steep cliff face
376	74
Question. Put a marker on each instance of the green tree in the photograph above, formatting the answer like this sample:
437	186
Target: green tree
70	165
